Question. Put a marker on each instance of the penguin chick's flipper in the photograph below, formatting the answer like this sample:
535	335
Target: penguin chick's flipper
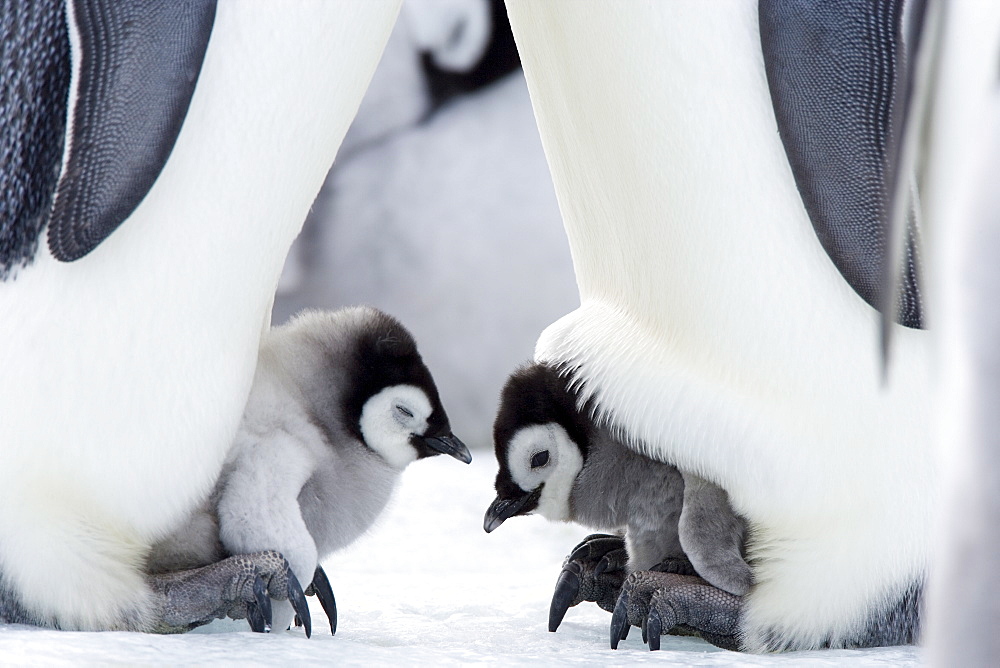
594	571
681	604
713	537
136	65
239	587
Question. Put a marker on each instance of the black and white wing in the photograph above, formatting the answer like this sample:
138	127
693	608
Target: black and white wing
838	72
99	147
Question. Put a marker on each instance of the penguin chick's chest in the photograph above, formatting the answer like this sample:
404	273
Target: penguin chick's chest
341	501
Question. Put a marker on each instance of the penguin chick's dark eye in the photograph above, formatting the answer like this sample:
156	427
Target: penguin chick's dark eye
539	459
404	411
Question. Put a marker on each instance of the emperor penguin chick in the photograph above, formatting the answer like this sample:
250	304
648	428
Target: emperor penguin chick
341	403
555	461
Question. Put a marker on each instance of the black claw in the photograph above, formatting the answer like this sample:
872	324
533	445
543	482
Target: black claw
654	626
601	566
595	543
259	611
645	633
567	589
262	606
297	622
298	600
619	620
625	630
256	619
321	586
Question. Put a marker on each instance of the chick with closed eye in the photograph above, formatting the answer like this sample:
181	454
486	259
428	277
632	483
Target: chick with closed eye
341	403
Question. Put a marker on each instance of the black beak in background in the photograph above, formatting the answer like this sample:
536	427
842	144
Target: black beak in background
447	445
501	508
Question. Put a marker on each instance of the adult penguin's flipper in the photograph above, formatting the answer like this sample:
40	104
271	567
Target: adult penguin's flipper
135	67
838	76
34	86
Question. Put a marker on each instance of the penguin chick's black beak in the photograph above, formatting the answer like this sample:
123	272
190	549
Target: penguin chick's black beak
502	508
447	445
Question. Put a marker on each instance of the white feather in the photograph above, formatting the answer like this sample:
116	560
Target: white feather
558	474
387	429
713	330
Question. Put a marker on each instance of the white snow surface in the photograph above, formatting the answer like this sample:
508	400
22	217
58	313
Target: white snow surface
427	587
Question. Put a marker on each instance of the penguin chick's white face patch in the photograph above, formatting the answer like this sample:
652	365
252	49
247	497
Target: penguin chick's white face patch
390	417
544	453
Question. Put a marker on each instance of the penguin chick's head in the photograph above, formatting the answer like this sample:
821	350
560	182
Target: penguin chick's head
541	445
392	402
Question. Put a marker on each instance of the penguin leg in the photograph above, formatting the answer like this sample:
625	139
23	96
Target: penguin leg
239	587
594	571
679	604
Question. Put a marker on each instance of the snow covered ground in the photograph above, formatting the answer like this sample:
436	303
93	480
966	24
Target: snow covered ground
427	587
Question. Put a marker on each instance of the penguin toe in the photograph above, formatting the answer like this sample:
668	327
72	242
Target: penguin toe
676	604
596	546
321	589
593	572
240	587
678	565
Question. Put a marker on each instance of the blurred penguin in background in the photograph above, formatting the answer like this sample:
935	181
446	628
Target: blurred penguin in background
444	160
960	162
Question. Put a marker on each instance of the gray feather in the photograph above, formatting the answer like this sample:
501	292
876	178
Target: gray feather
837	72
139	62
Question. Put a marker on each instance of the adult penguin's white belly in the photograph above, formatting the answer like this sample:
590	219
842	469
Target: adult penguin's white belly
714	331
124	373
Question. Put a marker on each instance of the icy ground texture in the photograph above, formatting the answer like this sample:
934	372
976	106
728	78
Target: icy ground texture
428	587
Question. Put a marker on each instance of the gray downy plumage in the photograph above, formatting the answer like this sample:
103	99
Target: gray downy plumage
589	477
341	403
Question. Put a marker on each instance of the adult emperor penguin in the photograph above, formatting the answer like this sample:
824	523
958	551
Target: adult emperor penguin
724	172
184	143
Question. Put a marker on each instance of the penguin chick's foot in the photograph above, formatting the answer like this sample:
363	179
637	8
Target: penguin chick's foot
239	587
594	571
668	602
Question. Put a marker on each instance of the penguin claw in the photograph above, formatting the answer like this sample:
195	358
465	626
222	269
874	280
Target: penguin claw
619	620
298	600
593	571
653	630
259	610
320	587
596	545
565	595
